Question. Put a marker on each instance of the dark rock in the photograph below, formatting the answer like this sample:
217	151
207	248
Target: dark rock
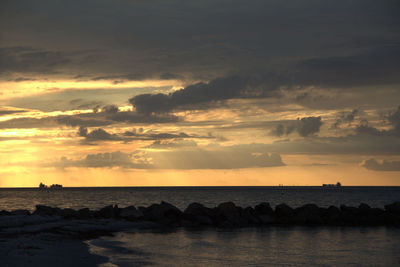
350	215
200	214
266	219
85	213
393	208
308	214
345	208
226	224
248	214
43	210
228	215
363	208
69	213
283	210
20	212
130	213
284	213
392	219
190	224
229	212
163	213
198	209
204	220
106	212
116	210
364	216
376	216
332	215
263	209
264	213
4	213
142	209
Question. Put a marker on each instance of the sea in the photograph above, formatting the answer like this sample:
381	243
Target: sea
267	246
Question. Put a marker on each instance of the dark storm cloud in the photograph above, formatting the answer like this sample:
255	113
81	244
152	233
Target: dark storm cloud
172	144
216	90
365	129
51	122
366	140
385	165
110	109
308	125
120	78
23	79
101	160
304	127
135	117
279	130
176	38
26	123
394	120
194	158
28	59
71	99
8	111
98	134
83	131
345	117
223	158
354	144
87	120
157	136
377	66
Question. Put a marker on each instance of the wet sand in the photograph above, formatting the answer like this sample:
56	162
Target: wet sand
46	249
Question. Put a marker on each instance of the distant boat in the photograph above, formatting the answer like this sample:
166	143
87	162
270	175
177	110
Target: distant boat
53	186
338	184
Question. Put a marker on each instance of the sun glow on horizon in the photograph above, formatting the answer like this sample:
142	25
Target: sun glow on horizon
12	89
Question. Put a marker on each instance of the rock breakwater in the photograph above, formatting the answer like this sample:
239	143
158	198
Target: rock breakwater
224	215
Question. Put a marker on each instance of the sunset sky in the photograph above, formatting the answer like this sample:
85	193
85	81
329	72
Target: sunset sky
192	93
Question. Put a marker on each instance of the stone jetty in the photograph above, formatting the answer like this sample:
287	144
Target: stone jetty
225	215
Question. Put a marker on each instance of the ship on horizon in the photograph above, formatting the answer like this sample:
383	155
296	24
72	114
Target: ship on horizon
53	186
338	184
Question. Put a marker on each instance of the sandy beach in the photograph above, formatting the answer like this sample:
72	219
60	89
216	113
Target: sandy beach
46	249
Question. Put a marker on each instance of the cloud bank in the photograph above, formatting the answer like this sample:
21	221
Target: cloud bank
385	165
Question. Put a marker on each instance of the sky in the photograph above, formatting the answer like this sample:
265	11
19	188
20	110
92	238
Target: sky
199	93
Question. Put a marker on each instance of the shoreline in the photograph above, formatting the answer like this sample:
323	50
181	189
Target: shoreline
46	249
56	237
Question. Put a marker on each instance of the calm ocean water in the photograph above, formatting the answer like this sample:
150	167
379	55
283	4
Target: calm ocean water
272	246
269	246
95	198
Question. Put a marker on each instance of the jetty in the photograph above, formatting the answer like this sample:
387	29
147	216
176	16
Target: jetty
165	215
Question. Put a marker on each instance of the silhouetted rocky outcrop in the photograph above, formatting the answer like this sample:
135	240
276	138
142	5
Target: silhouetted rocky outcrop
130	213
197	214
393	208
228	215
20	212
163	213
43	210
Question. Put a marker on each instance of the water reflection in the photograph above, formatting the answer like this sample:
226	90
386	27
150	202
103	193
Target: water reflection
274	246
